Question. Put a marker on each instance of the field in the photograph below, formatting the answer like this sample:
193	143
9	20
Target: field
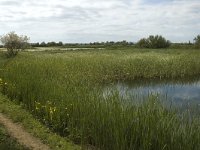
63	89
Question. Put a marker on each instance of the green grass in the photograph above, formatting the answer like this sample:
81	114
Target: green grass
32	125
64	91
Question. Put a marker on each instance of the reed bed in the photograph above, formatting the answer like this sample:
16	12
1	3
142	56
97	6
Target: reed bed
64	91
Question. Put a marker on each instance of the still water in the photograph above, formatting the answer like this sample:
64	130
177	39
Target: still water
179	93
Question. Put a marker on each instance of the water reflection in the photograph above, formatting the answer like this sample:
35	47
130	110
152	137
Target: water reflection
175	93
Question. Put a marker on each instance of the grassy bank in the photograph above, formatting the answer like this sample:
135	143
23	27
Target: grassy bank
18	114
64	91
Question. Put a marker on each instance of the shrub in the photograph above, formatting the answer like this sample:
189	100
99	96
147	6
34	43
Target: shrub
14	43
197	41
153	42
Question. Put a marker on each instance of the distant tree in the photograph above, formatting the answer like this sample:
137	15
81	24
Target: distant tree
131	43
49	44
43	44
124	42
14	43
142	43
197	41
153	42
60	43
35	44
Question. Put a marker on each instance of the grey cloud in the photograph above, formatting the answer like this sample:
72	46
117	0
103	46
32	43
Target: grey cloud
86	20
75	13
10	3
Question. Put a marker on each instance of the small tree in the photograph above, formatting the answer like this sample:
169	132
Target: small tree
154	42
14	43
142	43
43	44
60	43
197	41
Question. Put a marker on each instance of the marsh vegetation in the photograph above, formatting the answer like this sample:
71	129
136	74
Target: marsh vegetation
65	92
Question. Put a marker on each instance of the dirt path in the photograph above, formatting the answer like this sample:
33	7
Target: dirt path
23	137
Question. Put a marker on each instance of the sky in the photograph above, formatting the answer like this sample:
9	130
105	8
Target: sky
80	21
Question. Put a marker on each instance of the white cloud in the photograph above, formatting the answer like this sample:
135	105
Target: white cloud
100	20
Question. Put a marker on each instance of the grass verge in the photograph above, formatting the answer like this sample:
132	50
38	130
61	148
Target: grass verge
18	114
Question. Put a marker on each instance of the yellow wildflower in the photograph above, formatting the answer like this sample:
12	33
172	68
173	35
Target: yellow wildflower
54	109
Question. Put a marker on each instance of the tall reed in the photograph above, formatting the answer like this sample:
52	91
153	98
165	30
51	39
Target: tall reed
65	92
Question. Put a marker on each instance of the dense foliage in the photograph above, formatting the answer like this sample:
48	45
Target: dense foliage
153	42
197	41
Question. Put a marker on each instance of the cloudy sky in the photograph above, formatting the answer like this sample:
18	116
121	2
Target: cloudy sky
100	20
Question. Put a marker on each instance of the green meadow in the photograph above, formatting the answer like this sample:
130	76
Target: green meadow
63	89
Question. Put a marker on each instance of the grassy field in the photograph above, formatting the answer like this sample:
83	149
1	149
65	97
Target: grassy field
64	90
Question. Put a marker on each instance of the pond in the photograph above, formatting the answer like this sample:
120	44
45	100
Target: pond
178	93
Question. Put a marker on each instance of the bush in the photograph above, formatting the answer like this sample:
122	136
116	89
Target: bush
14	43
153	42
197	41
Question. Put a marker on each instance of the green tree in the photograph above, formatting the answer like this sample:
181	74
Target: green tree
60	43
153	42
142	43
14	43
43	44
197	41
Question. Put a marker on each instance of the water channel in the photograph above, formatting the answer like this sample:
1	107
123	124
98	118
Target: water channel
173	93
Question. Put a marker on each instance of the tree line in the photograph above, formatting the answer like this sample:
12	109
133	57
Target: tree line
14	43
108	43
152	41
